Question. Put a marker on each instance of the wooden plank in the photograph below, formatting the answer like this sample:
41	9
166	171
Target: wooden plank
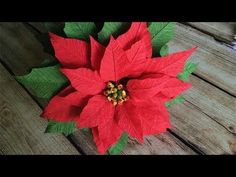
170	146
38	26
21	128
207	118
222	31
213	108
14	39
217	62
163	144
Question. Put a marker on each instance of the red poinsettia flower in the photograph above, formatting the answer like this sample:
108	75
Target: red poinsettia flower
118	88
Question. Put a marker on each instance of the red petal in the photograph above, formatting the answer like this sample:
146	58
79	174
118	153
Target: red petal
137	53
155	118
114	64
105	136
71	53
98	141
128	119
85	80
171	65
97	52
66	106
109	133
98	111
174	87
146	88
137	31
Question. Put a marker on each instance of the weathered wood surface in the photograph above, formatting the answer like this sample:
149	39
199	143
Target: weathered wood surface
21	128
163	144
206	120
214	107
222	31
217	62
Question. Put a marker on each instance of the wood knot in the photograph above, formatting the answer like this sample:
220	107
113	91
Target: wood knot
232	129
5	112
232	146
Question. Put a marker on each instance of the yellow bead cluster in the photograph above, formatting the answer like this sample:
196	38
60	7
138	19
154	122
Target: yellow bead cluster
115	93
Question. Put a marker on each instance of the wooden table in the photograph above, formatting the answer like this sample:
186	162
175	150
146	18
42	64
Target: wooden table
204	124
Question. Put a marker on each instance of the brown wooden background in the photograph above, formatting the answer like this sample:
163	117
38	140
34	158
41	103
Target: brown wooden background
204	124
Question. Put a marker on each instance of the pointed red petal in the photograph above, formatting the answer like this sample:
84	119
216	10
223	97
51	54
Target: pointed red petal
66	106
155	118
98	141
137	53
137	31
98	110
128	120
174	87
85	80
146	88
105	137
109	133
114	63
97	52
171	65
71	53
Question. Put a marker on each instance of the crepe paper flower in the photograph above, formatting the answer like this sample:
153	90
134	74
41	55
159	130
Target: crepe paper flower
116	88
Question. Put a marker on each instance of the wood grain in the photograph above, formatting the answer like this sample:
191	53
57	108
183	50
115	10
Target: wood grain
9	34
217	62
164	144
21	128
222	31
213	108
206	118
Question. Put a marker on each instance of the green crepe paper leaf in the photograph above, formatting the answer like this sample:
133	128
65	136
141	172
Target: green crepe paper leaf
112	28
85	130
178	99
80	30
119	146
164	50
161	32
66	128
188	69
45	82
55	27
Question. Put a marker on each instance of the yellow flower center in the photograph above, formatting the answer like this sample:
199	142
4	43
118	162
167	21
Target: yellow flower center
116	94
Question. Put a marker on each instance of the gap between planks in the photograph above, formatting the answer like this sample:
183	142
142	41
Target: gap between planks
163	144
230	126
189	135
22	131
223	32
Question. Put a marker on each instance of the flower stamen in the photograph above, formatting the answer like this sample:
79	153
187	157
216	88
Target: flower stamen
116	94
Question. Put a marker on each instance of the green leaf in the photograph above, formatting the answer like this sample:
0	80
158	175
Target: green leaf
85	130
55	27
161	32
80	30
61	127
164	50
119	146
188	69
178	99
112	28
44	82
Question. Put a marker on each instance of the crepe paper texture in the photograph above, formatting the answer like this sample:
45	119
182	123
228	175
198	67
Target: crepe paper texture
115	83
65	128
